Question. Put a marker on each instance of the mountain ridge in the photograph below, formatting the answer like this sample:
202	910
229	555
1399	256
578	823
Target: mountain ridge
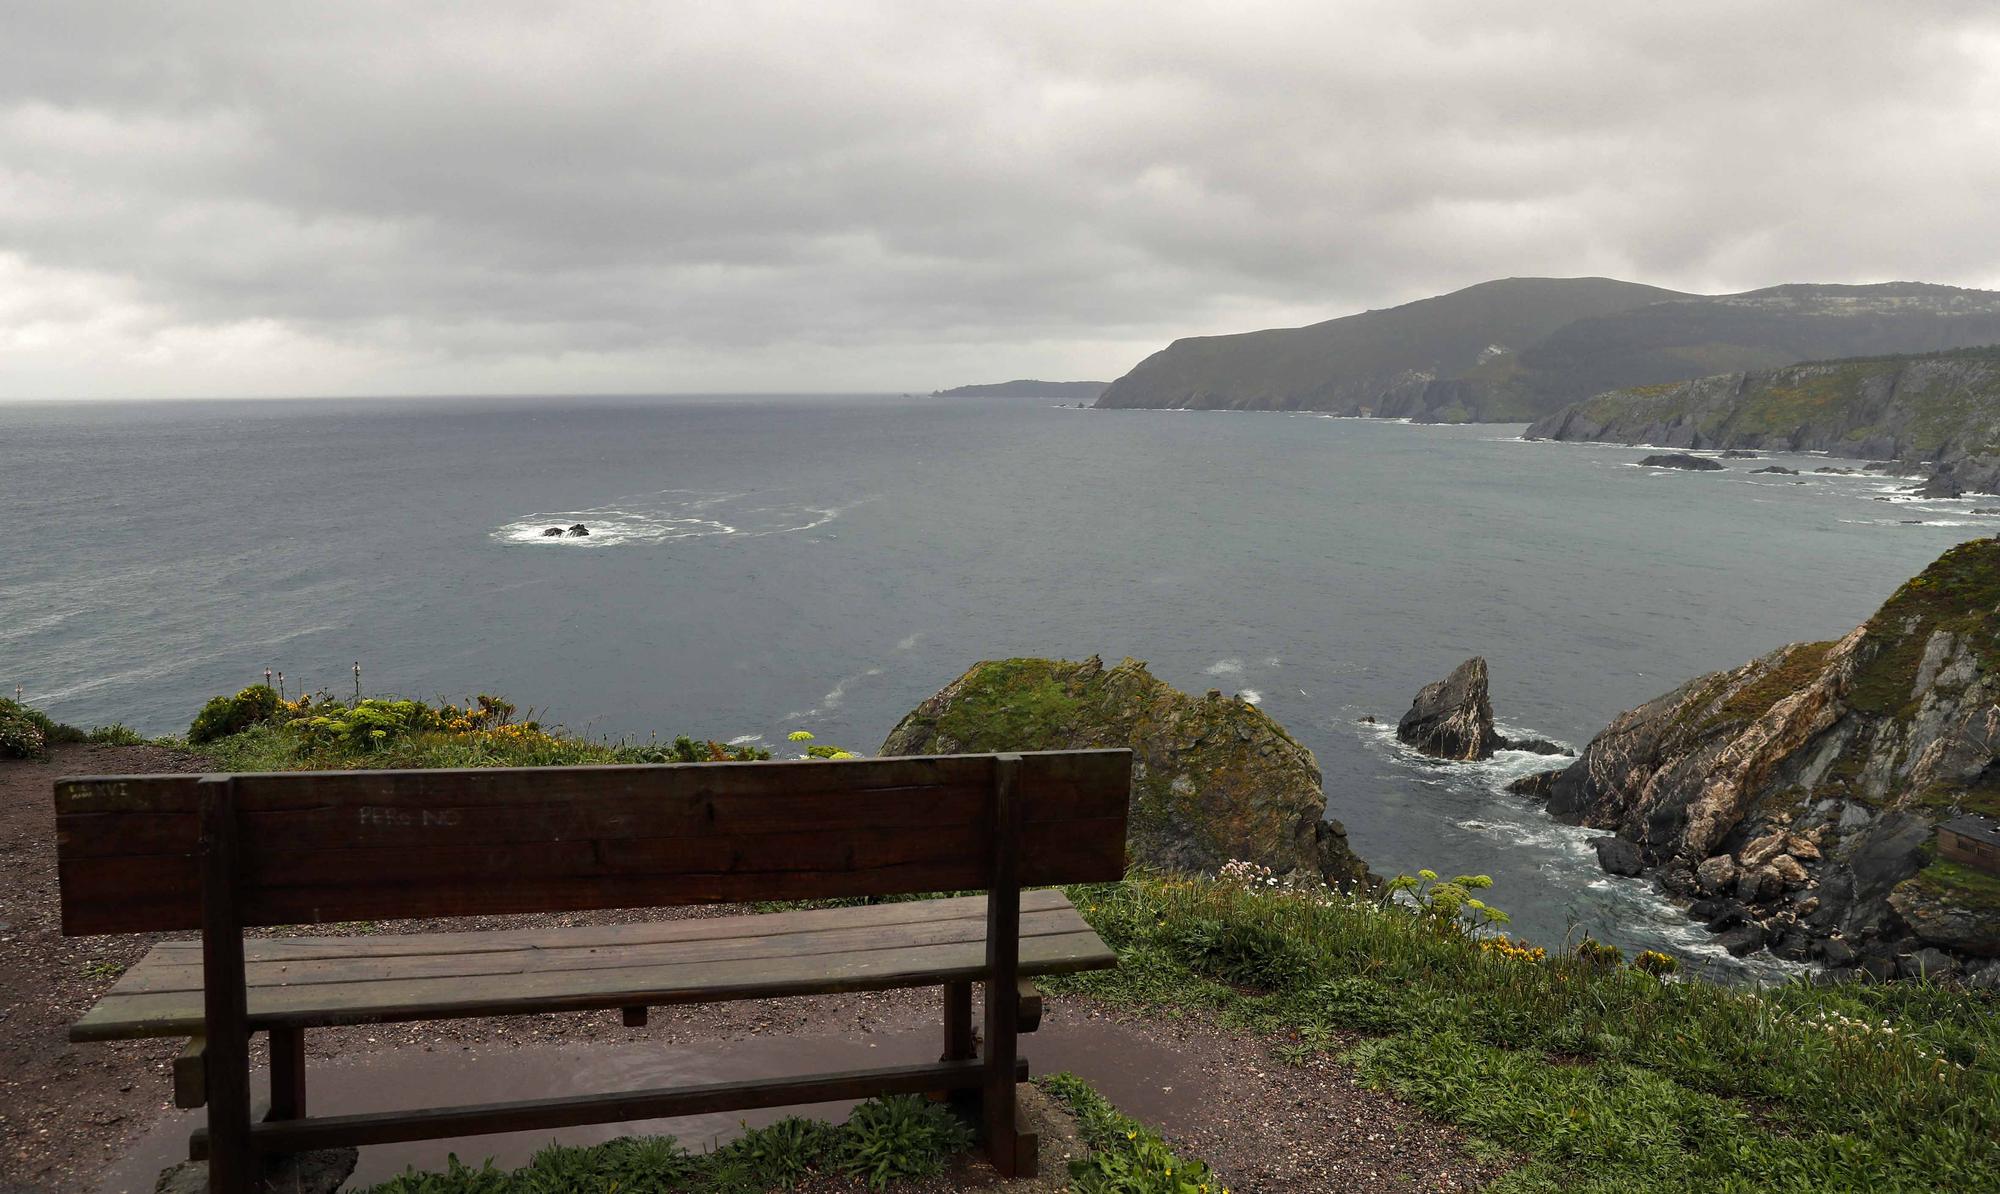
1519	349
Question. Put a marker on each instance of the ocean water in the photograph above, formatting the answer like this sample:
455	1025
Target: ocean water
759	565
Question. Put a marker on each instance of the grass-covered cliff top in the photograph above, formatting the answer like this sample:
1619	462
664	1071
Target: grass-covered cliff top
1959	593
1600	1075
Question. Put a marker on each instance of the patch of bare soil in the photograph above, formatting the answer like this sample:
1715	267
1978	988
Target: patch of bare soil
83	1117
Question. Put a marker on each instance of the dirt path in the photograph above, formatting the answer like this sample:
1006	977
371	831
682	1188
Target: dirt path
84	1117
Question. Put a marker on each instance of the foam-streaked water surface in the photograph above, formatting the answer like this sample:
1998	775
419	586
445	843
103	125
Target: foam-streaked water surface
758	565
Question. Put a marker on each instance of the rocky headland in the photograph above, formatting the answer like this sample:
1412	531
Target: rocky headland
1214	778
1523	348
1935	415
1795	800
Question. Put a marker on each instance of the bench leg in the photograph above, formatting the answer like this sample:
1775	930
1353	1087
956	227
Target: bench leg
958	1023
1012	1152
288	1073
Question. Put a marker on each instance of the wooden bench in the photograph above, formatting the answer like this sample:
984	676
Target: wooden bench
221	853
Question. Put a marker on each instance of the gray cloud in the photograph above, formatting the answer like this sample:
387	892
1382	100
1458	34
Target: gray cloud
278	198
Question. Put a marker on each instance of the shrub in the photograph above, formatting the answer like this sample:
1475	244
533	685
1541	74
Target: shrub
223	716
897	1138
1247	953
20	736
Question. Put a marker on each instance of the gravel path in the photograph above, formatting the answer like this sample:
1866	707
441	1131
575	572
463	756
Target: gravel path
83	1117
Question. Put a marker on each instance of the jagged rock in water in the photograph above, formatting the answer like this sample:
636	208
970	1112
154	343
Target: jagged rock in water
579	530
1537	785
1813	778
1453	718
1618	856
1213	778
1776	468
1827	468
1738	454
1681	460
552	532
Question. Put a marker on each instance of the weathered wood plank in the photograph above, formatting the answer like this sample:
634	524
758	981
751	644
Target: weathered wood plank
160	893
174	1013
650	932
371	845
191	1074
333	1131
1070	775
169	972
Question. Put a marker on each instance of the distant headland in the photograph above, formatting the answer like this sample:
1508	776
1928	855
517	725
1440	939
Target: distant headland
1028	388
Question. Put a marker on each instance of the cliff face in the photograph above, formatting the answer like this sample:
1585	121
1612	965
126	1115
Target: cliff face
1523	347
1213	778
1940	409
1803	788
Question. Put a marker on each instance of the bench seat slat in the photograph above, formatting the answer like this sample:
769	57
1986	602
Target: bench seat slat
169	972
914	943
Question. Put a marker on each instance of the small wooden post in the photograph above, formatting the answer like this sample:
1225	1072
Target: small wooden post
1011	1152
288	1073
232	1166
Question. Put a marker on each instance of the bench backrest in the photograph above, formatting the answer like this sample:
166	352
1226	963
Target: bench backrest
321	847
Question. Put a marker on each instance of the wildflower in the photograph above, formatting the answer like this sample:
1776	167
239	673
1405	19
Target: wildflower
799	736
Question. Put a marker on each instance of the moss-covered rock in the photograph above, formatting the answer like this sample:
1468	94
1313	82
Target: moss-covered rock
1852	750
1213	778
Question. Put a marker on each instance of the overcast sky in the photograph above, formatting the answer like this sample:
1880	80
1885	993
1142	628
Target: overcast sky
267	198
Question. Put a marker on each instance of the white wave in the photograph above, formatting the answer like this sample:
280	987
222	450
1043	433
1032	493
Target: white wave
1251	696
745	739
670	516
1224	667
908	641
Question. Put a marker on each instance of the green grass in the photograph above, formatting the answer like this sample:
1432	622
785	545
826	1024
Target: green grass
1125	1157
1961	885
1658	1084
1959	592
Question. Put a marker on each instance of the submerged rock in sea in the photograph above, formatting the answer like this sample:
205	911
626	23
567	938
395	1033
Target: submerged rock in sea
1535	786
1453	718
1681	460
552	533
1213	778
579	531
1738	454
1780	469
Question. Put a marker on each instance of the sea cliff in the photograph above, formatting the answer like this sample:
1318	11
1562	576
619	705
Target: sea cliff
1799	794
1933	412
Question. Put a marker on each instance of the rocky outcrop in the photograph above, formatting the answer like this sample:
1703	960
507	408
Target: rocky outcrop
578	531
1213	778
1934	414
1779	469
1453	718
1681	460
1806	785
552	532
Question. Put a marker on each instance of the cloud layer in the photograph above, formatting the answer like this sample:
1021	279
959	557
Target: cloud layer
269	198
